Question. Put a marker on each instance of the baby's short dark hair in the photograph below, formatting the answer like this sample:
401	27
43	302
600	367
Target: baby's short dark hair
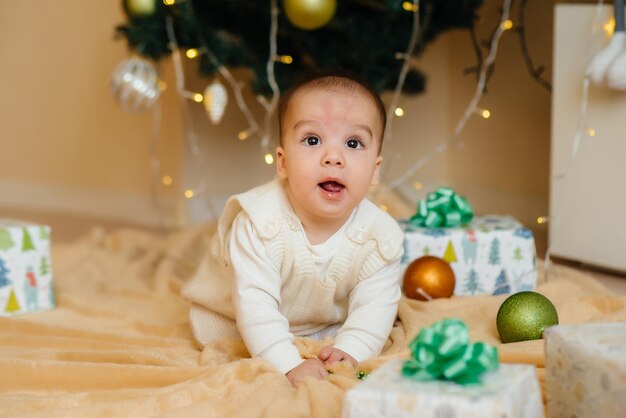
330	79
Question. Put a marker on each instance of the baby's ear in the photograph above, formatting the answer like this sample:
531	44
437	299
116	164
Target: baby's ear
376	173
281	168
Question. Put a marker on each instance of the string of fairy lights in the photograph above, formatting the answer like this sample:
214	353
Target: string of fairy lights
505	24
264	132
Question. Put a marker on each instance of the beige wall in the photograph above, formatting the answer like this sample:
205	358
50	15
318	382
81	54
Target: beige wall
65	144
73	138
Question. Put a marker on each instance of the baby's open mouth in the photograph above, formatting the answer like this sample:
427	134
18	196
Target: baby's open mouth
332	186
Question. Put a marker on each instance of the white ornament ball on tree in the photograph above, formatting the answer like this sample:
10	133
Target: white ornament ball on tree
310	14
215	100
135	85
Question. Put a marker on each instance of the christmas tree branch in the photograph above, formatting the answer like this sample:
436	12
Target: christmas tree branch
234	84
535	73
405	68
271	106
482	80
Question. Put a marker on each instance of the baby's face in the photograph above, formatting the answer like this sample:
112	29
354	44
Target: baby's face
329	152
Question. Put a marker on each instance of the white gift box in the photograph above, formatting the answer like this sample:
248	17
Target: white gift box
25	268
490	255
511	391
586	370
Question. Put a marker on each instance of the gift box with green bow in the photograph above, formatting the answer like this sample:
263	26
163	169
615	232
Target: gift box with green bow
447	376
489	254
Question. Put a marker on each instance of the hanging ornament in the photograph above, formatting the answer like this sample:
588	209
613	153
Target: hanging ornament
428	278
140	7
310	14
135	85
215	100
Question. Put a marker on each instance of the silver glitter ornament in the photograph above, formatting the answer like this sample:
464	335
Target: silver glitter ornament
135	85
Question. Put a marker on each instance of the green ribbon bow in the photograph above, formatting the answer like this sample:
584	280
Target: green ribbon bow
442	208
443	352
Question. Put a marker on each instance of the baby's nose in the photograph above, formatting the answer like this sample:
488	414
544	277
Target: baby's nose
333	160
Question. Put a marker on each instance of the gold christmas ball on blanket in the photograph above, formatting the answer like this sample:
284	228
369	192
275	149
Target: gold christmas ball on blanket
428	278
523	316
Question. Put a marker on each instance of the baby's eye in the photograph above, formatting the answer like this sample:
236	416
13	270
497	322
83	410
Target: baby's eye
353	143
311	140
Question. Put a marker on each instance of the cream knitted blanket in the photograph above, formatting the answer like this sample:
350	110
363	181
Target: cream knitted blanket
118	344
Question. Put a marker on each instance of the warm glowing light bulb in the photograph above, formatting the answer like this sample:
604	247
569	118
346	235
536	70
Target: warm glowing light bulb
269	158
485	113
609	27
189	193
507	24
167	180
542	219
418	185
399	112
409	6
191	53
243	135
197	97
169	2
591	132
286	59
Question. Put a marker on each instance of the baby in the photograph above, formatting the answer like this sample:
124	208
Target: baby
307	254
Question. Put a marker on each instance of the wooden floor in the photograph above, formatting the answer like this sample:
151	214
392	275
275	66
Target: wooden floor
68	227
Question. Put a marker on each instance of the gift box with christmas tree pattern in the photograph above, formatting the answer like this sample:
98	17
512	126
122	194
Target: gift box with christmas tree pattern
25	268
586	370
510	391
489	255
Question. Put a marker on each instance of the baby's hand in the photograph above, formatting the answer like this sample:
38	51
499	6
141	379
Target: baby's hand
311	367
330	355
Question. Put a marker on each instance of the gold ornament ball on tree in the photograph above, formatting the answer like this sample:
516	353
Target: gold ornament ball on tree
140	7
310	14
428	278
523	316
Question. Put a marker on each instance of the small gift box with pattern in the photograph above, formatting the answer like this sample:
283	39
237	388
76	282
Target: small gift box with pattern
488	254
25	268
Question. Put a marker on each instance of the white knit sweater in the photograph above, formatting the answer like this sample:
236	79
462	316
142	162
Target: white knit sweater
263	271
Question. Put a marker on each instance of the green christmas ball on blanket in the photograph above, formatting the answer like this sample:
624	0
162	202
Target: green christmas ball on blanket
523	316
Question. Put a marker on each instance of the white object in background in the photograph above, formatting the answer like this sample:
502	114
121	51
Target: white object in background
215	100
511	391
590	202
603	60
586	370
616	74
